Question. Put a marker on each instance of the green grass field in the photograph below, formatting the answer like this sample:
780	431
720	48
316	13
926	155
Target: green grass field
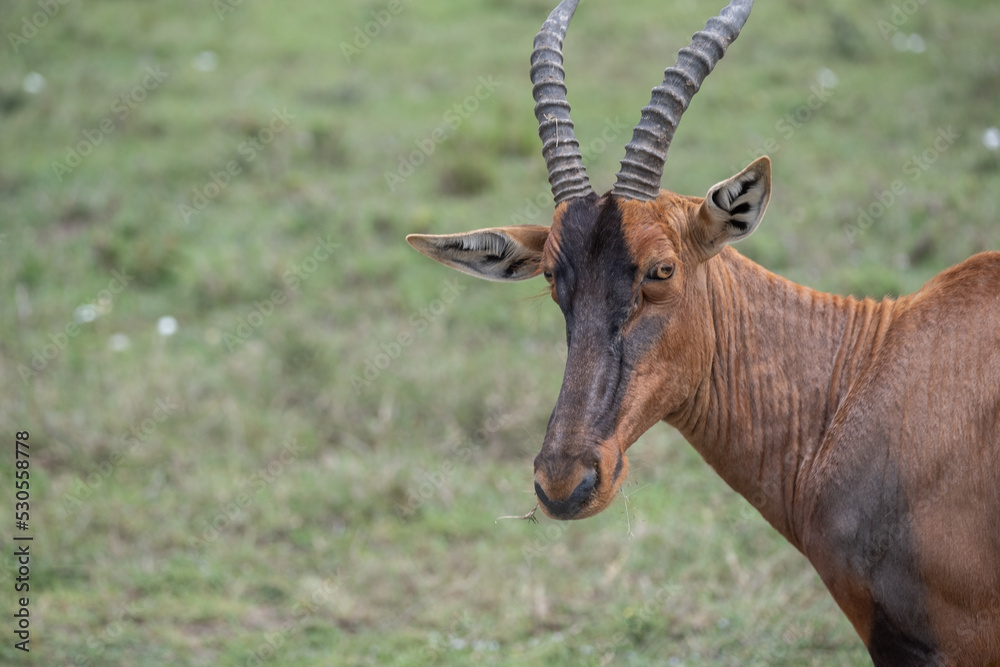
308	470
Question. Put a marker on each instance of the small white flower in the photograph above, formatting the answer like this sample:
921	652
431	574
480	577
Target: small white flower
119	342
912	42
206	61
33	83
916	43
166	326
85	313
827	78
991	138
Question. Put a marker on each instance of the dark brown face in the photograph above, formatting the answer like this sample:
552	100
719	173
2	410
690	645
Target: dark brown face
631	279
635	301
621	288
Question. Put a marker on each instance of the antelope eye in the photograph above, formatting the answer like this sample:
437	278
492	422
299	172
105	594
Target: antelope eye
661	272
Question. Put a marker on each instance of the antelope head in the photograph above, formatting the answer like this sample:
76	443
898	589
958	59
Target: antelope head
627	269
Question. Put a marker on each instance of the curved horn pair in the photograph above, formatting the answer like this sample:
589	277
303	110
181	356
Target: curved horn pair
642	166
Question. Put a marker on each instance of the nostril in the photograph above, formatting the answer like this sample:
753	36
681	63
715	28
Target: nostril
571	506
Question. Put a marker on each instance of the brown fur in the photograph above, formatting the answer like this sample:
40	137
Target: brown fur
795	397
867	433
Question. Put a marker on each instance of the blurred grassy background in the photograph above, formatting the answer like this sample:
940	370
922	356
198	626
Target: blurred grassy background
307	470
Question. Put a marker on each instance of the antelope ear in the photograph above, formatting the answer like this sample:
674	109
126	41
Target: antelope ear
500	253
733	208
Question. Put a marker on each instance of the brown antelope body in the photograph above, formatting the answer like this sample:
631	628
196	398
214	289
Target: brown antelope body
867	433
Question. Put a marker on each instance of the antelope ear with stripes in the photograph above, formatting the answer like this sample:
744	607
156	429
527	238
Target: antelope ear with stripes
733	208
500	253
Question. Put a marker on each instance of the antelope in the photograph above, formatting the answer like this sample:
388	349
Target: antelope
866	432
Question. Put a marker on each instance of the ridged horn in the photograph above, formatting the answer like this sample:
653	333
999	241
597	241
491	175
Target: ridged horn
642	166
561	150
